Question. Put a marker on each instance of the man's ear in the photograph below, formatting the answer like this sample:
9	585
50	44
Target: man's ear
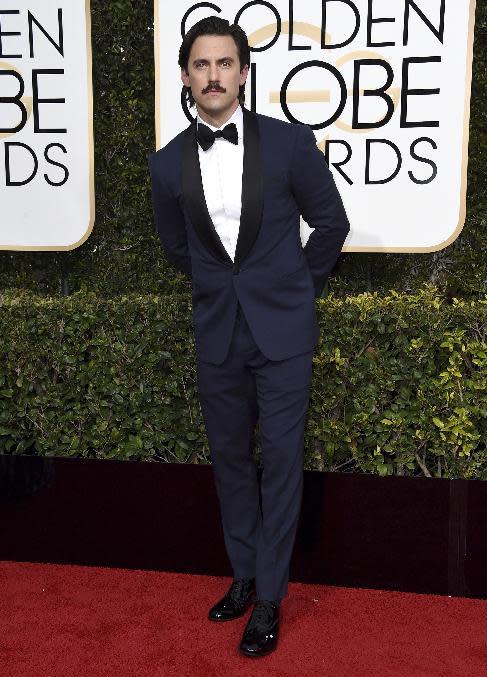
184	77
243	74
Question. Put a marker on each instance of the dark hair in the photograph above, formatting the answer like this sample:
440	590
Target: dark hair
215	25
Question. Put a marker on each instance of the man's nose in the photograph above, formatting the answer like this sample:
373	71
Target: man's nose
213	74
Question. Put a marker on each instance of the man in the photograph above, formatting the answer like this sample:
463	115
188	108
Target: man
227	195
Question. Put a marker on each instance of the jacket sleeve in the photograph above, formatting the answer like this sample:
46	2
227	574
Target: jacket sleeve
169	220
320	205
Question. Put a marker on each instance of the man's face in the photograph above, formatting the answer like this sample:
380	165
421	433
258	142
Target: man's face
214	75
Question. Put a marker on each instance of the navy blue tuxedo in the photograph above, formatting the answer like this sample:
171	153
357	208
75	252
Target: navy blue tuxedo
255	324
273	277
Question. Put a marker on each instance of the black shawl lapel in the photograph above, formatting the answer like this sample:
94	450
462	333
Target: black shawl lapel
252	192
194	197
252	188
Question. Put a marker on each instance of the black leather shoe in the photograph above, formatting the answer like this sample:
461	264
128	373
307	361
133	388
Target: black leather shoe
236	602
262	630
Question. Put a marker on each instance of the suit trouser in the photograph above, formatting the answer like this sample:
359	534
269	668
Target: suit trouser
247	387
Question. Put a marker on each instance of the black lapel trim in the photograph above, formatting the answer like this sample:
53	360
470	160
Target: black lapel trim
252	192
194	197
252	188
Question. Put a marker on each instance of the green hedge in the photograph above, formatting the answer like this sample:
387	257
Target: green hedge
399	383
124	256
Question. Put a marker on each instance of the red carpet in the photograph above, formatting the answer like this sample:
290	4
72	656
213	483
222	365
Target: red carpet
74	621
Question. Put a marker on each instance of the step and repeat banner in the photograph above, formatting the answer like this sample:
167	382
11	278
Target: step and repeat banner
384	84
46	125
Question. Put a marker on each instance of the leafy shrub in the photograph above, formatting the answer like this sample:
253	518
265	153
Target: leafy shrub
399	383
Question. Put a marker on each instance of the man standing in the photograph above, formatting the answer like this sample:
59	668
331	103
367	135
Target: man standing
227	197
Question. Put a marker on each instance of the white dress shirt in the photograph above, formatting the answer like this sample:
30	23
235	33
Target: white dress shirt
221	172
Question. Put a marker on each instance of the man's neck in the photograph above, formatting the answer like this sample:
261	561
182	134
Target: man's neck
217	121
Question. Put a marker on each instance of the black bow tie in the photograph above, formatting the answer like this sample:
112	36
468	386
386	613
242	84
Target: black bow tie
206	136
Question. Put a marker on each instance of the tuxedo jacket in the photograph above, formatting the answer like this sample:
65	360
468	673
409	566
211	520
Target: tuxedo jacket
273	277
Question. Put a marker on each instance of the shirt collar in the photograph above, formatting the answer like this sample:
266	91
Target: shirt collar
237	118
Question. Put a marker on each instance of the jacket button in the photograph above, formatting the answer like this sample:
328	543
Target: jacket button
236	271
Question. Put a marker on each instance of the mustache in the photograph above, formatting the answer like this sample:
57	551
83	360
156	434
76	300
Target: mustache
214	86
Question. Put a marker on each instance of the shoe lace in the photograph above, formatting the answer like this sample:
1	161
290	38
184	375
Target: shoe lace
261	615
239	587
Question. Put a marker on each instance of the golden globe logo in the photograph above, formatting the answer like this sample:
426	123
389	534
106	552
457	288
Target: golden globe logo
385	86
25	107
46	125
